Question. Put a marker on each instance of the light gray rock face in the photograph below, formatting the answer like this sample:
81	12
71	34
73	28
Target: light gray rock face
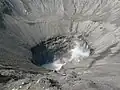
25	23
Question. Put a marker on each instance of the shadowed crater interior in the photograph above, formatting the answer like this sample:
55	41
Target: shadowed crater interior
49	50
41	54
